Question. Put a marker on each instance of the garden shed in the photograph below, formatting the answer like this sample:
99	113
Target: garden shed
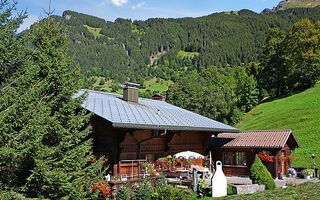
237	151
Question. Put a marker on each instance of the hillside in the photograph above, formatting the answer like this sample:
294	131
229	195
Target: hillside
169	48
306	191
286	4
299	112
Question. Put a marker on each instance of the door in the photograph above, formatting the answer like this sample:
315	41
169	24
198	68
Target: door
283	164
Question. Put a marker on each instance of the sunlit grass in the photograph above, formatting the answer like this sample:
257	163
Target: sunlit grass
299	112
94	31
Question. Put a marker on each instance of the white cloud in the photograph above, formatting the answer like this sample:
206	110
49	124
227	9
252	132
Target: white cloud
119	2
139	5
27	23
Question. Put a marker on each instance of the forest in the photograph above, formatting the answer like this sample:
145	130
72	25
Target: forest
218	63
137	50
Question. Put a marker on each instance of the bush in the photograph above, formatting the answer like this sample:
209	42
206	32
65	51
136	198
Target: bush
142	191
115	87
161	191
308	171
171	192
260	175
102	82
124	193
204	188
10	195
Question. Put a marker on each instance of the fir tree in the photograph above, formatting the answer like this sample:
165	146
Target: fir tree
46	147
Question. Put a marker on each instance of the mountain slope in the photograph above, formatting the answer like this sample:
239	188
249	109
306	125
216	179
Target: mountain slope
137	50
287	4
299	112
297	4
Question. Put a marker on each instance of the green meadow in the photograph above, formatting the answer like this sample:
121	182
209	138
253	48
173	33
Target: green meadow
154	84
306	191
94	31
299	112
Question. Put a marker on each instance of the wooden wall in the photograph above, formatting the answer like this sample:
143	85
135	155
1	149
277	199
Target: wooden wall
234	170
128	144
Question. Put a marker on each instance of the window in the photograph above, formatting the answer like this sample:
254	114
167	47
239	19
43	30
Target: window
228	158
234	158
241	158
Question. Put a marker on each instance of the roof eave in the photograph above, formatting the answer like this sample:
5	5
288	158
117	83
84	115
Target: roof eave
295	139
171	128
250	147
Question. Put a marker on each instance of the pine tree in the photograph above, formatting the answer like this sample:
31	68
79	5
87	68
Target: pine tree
46	147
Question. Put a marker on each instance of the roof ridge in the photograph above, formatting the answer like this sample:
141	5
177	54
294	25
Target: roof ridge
117	95
269	130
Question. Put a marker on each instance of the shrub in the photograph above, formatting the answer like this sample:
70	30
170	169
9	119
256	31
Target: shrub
10	195
102	82
171	192
260	175
124	193
204	188
308	171
163	191
142	191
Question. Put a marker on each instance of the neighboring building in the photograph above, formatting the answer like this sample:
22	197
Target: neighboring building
128	128
159	97
237	151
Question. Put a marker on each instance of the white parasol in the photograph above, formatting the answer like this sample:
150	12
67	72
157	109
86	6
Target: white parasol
188	155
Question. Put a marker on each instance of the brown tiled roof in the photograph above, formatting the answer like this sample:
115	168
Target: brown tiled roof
254	139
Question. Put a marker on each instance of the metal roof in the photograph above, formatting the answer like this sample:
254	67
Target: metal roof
254	139
148	114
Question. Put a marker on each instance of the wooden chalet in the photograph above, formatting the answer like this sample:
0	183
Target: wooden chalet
129	129
237	151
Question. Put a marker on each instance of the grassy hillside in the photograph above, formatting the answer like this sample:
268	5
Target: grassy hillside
94	31
298	3
299	112
160	85
303	191
153	84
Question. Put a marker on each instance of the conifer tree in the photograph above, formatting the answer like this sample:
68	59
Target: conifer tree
46	150
259	174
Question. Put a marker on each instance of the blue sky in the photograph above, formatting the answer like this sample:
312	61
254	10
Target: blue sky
138	9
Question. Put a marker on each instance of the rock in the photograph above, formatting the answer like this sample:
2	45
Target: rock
266	10
247	189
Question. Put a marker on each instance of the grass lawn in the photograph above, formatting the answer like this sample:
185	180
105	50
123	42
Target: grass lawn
151	84
184	54
306	191
105	86
94	31
299	112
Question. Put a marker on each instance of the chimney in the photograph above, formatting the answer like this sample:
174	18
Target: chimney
130	92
